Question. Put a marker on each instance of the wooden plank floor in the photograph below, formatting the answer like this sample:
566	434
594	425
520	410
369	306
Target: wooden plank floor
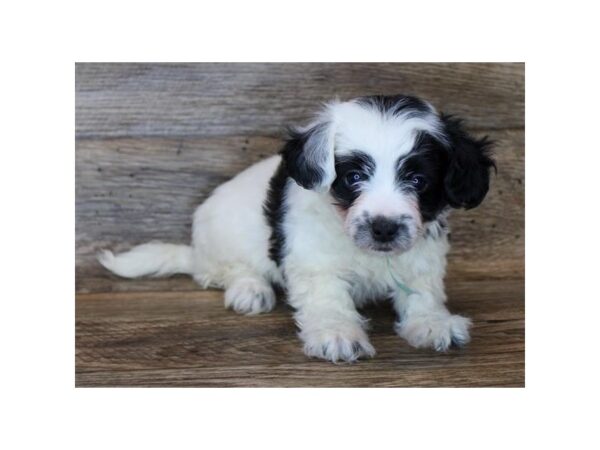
186	338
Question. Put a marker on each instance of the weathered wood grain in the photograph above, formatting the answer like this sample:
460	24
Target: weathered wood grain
188	339
129	191
117	100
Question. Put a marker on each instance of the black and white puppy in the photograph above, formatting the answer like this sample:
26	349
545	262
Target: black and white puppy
354	209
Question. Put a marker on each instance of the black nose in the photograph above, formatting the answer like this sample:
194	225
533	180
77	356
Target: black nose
383	229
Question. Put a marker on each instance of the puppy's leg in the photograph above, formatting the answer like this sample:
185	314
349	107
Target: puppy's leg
248	293
424	320
330	326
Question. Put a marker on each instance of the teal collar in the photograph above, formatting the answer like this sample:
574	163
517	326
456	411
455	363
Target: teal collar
404	288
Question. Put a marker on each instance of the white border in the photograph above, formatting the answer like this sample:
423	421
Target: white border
41	42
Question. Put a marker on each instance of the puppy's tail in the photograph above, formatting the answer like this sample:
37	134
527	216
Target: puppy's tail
154	259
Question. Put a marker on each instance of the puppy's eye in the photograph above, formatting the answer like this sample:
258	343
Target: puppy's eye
418	182
354	177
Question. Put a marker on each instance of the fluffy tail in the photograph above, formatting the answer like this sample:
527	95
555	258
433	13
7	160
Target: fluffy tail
154	259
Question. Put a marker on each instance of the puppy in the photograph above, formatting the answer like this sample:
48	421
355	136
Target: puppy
353	209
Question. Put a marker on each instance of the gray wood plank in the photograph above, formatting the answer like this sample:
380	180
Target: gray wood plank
117	100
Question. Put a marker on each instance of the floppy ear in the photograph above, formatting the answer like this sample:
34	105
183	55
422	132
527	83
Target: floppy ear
468	176
308	155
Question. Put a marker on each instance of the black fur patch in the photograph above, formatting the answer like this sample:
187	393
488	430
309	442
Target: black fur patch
341	192
275	209
468	177
307	173
395	104
430	160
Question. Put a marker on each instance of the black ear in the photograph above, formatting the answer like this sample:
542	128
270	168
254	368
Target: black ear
308	156
468	176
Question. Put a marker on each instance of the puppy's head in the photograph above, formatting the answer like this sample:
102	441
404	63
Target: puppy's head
389	165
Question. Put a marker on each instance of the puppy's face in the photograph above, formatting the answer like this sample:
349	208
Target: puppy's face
390	165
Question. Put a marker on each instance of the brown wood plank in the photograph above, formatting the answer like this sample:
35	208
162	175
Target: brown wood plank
130	191
188	339
115	100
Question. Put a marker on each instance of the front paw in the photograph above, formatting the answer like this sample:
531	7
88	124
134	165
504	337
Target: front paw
250	296
437	331
341	342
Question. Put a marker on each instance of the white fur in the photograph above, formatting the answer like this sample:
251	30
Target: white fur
326	274
152	259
